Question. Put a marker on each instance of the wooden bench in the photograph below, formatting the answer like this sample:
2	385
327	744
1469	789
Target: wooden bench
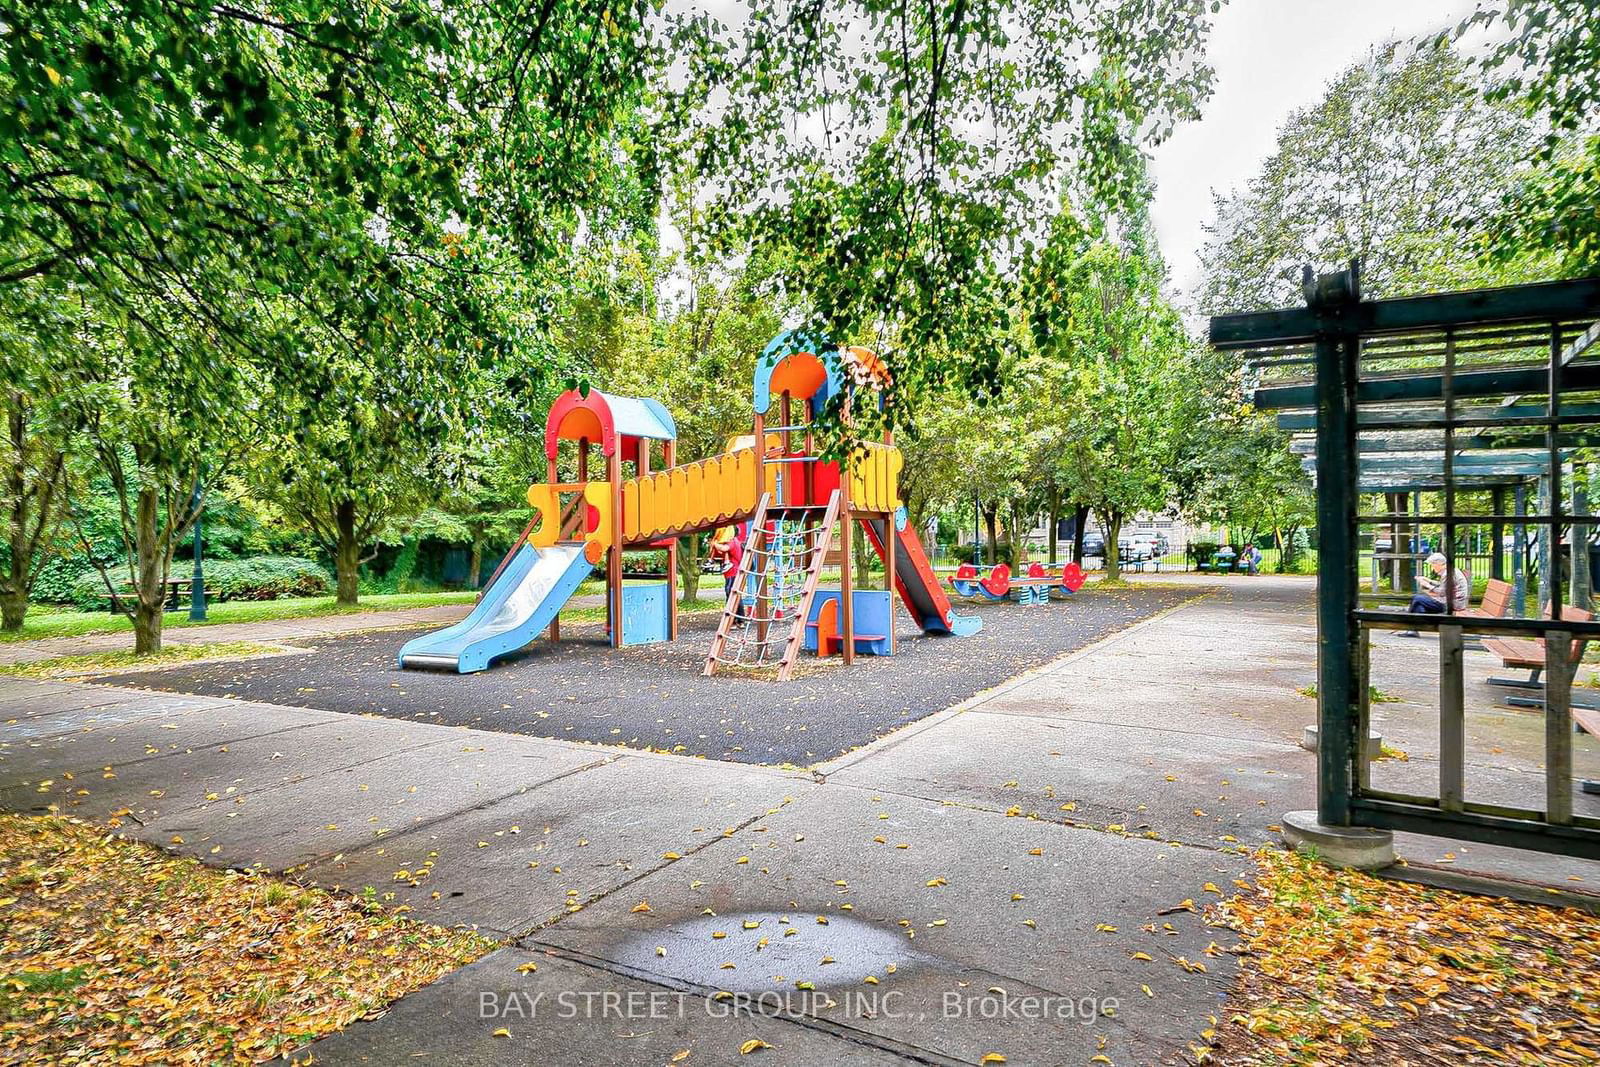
1496	602
1527	653
1585	716
1588	721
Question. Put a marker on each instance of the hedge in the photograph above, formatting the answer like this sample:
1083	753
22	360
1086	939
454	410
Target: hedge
253	578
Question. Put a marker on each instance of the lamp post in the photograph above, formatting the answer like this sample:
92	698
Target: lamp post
197	591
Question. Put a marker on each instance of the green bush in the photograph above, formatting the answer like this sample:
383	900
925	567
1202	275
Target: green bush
253	578
645	563
56	578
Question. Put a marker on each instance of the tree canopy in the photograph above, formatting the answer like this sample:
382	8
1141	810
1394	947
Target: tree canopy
321	267
1399	165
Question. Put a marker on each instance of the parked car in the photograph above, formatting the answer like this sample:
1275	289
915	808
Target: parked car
1132	549
1093	545
1147	546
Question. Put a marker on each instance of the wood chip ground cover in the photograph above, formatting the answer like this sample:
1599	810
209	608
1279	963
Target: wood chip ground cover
1345	967
113	951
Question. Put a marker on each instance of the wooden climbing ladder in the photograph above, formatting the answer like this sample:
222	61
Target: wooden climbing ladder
767	562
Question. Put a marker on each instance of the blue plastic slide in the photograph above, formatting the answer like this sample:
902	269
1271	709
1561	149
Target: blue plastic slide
521	602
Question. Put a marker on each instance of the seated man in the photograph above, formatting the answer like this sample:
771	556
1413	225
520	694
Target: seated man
1429	602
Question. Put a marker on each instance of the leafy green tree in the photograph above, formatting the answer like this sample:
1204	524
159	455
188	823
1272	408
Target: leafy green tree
1401	148
1121	374
158	418
227	189
1543	62
33	457
1243	474
896	189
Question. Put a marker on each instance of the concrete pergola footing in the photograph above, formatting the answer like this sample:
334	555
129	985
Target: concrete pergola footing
1360	847
1308	741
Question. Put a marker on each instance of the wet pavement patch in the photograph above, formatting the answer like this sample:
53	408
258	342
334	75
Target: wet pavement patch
755	952
654	696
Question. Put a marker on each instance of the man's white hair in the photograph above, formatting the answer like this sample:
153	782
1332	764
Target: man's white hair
1437	558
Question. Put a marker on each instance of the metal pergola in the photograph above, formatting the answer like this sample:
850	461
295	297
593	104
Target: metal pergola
1466	397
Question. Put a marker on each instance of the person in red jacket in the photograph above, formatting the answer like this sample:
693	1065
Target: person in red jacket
732	556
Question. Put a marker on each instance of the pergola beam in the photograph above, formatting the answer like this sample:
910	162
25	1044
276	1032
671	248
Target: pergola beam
1433	441
1497	381
1307	420
1581	344
1541	302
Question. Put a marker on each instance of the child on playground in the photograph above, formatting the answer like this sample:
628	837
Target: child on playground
732	555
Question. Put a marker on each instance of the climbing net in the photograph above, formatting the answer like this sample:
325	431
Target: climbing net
776	584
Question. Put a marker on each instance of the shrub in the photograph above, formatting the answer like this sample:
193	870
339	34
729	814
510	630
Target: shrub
56	579
254	578
645	563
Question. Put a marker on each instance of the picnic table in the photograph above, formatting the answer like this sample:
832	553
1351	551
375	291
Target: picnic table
176	590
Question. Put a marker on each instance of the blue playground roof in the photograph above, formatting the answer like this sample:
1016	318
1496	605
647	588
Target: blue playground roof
802	363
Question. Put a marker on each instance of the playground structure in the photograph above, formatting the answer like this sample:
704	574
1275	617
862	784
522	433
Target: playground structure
1039	586
791	500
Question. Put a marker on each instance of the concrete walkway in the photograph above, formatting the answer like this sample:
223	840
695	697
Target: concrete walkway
977	882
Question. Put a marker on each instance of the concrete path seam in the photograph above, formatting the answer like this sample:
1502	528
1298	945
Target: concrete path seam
1069	824
433	820
239	794
144	758
911	730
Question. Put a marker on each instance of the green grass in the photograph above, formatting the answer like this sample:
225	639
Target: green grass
1374	694
77	623
699	606
103	662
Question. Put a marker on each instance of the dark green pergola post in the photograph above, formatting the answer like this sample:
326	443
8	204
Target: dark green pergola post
1579	540
1543	537
1334	297
1519	553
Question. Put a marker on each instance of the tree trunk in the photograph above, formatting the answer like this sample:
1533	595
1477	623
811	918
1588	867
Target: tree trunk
13	607
1014	523
1111	524
689	566
864	555
991	517
347	552
14	594
475	560
1080	522
1055	521
151	584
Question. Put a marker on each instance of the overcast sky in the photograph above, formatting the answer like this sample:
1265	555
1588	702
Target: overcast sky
1271	57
